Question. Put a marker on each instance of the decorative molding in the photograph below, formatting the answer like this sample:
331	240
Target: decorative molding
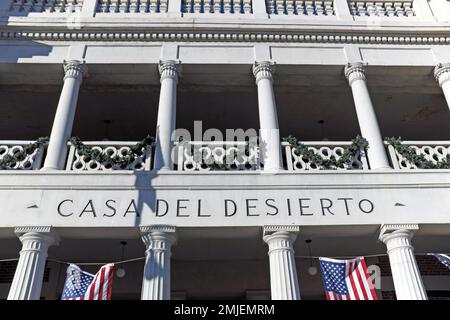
74	69
263	70
271	229
225	37
170	69
355	71
47	233
388	230
442	73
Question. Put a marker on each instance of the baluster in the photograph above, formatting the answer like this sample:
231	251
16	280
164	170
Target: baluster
319	8
113	7
38	6
398	9
207	6
79	5
226	6
216	6
153	6
300	7
27	5
380	9
372	9
237	6
329	11
353	8
142	6
197	6
133	6
16	5
361	9
289	7
123	6
309	5
390	10
280	6
269	6
247	5
409	10
49	6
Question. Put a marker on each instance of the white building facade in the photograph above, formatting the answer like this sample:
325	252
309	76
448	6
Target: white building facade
113	71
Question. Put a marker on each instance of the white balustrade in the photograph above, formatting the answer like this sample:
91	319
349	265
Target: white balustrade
300	7
326	150
48	6
208	155
384	9
433	151
132	6
77	162
223	7
32	161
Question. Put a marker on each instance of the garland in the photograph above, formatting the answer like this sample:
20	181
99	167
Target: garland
122	161
418	160
10	161
310	156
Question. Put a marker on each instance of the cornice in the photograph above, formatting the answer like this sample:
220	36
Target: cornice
229	36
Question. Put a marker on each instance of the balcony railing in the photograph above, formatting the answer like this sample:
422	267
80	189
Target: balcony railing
77	162
216	155
131	6
387	9
433	151
221	155
31	161
217	6
392	10
326	150
300	7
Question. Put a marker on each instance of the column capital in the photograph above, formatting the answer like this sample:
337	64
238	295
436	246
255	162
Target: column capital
153	233
263	70
442	73
392	231
170	69
74	69
275	232
355	71
44	233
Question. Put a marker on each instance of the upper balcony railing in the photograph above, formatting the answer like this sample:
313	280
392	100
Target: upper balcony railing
206	156
328	9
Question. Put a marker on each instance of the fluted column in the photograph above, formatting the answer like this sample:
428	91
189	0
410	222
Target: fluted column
65	113
442	75
170	72
268	118
156	281
368	124
405	273
27	282
283	273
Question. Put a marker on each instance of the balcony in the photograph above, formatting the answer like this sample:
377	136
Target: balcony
214	156
359	12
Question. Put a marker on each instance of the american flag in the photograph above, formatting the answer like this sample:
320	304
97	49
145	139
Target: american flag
442	258
81	285
347	279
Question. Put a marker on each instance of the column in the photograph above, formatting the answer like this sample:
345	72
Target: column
27	282
442	75
65	114
170	72
405	273
268	118
283	273
368	124
158	240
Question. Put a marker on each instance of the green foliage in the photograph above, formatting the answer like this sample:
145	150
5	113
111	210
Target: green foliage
310	156
9	161
417	159
122	161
